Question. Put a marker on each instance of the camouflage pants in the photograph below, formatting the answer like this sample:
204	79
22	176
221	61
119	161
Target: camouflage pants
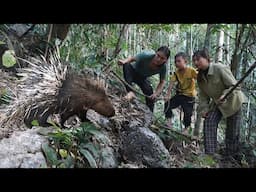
231	136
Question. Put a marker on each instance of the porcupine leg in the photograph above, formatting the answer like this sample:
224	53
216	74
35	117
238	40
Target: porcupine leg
82	116
65	116
43	120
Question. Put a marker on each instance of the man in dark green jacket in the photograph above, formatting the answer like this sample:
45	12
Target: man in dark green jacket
214	81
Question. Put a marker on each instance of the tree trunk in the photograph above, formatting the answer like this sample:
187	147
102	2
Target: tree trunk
236	55
126	52
207	36
187	42
130	39
60	31
191	44
134	39
227	49
118	44
177	38
219	52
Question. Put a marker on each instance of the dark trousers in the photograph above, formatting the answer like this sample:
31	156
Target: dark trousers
232	132
131	76
186	103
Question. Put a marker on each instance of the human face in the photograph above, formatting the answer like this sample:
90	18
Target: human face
159	58
180	63
200	62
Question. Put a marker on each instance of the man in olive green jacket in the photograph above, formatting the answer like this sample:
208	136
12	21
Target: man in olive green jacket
214	81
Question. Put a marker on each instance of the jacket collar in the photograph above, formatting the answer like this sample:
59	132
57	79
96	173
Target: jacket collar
210	71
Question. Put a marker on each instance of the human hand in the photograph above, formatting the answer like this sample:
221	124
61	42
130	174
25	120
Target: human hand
153	96
220	100
121	62
204	114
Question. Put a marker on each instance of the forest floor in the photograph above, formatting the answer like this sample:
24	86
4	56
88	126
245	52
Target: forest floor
187	153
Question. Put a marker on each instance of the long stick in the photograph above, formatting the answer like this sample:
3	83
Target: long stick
240	81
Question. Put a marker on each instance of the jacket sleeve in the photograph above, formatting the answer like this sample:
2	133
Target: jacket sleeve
228	79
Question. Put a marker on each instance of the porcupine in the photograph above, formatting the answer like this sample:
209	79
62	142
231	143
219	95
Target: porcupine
52	87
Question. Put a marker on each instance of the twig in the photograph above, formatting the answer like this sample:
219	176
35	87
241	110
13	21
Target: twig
26	32
48	40
190	137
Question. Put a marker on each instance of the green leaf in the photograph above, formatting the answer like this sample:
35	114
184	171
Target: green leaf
54	125
8	58
69	162
50	154
90	128
62	165
62	137
34	123
91	147
207	160
2	43
189	165
89	158
100	137
63	153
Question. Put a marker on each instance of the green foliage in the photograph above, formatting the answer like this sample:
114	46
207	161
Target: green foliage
35	123
86	43
89	157
206	161
157	27
8	58
218	27
75	147
4	96
50	155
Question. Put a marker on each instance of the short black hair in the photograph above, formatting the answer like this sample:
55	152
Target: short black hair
165	50
202	53
181	54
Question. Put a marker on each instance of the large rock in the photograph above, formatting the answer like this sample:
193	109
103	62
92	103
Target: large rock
107	157
22	150
141	145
